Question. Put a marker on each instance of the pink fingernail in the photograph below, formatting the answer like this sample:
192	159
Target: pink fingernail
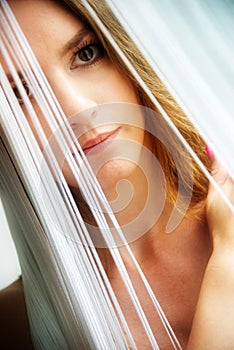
209	152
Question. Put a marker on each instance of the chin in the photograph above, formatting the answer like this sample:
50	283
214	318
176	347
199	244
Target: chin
108	175
113	172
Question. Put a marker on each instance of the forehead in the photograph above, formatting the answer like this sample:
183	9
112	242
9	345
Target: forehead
46	23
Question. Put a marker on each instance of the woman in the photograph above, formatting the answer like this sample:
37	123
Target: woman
84	73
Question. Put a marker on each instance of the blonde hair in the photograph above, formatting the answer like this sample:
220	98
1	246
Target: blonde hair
188	131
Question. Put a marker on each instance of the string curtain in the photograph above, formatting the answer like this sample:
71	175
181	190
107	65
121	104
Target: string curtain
190	45
190	49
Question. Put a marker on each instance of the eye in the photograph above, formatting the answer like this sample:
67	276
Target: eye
87	55
17	93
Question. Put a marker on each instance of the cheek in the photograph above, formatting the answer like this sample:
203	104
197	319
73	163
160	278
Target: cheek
42	122
117	88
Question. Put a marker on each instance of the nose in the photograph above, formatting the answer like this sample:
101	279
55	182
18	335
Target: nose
79	106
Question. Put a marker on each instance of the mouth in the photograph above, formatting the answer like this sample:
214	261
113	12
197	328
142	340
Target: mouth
100	142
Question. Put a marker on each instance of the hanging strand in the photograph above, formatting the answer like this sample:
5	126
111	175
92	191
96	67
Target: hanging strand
116	255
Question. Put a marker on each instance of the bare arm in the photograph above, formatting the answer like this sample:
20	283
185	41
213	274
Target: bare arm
14	327
213	326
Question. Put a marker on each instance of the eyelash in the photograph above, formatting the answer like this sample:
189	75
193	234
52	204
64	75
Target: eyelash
85	45
17	93
94	44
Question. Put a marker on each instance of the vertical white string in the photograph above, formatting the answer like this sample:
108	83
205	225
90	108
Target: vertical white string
156	103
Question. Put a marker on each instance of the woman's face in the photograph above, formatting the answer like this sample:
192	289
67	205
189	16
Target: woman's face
82	78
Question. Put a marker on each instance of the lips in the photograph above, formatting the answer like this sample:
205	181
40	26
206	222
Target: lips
100	141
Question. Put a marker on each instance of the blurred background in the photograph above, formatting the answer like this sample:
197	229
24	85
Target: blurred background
9	264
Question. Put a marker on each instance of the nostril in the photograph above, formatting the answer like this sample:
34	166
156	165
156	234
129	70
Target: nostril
94	112
73	126
84	117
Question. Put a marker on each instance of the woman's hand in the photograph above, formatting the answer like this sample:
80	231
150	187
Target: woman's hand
214	317
220	217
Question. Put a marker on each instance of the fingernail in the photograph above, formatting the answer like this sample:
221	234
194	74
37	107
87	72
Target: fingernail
209	152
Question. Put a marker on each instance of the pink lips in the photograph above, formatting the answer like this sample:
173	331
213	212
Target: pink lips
99	142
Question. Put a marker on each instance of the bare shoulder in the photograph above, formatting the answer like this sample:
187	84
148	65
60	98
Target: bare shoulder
14	327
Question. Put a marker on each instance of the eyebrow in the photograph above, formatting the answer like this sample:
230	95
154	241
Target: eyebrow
74	41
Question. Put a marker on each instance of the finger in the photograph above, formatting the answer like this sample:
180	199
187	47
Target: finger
218	171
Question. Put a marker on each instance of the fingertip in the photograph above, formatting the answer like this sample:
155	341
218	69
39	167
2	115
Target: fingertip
218	170
209	152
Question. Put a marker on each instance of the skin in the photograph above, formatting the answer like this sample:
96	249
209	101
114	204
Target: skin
178	265
79	87
213	321
13	318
